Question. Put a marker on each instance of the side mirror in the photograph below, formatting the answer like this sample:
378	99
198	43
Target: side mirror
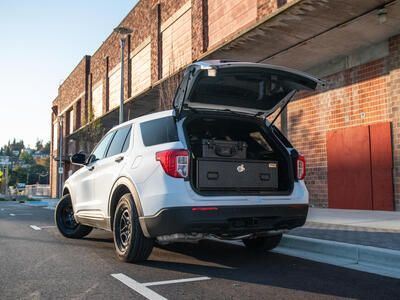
78	159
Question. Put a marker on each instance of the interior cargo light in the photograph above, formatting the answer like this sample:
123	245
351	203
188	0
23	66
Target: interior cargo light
301	167
174	162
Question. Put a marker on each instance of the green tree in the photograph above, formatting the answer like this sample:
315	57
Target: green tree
17	175
46	148
34	174
39	145
26	158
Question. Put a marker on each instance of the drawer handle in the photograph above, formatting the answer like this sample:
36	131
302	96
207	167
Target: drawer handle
265	177
212	175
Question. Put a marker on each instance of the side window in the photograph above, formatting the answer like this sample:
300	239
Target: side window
118	141
101	148
159	131
127	141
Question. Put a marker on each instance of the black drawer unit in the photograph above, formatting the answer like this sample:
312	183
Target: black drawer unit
222	174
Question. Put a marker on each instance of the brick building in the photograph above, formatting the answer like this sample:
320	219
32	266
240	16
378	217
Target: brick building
349	132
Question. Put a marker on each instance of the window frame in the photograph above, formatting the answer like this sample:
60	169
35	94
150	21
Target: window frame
90	161
124	141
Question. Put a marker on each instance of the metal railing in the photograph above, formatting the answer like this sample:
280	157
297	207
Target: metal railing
37	190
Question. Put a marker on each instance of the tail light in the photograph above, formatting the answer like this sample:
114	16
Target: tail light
174	162
301	167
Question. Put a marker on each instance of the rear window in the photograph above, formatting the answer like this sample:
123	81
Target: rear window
159	131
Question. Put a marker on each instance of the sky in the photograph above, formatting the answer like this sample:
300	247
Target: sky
41	42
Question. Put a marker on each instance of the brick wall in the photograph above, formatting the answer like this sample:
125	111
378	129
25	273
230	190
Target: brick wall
364	94
394	110
227	17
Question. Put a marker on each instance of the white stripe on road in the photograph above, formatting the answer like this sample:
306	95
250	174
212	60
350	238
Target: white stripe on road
13	215
175	281
34	227
45	227
138	287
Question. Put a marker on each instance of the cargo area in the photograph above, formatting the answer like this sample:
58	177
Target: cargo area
237	155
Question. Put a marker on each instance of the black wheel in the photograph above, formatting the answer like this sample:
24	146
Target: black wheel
130	243
263	243
65	220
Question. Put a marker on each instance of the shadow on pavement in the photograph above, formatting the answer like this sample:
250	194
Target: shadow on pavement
235	262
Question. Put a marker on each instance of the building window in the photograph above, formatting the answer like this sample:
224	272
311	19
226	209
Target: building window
114	87
78	113
55	136
71	121
97	101
141	69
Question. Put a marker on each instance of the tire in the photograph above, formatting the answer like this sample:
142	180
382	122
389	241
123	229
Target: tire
130	243
65	221
263	243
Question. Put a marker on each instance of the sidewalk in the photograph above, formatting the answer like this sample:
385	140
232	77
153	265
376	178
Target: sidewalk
49	203
366	241
369	228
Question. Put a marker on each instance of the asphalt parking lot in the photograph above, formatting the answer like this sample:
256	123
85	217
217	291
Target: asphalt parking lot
36	262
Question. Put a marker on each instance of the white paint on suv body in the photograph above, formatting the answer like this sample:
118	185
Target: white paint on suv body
156	189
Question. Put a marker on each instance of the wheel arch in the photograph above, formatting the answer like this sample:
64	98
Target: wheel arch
122	186
66	190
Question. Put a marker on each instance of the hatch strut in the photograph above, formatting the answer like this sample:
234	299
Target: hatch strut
285	102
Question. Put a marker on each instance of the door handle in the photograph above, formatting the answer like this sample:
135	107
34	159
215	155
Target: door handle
91	168
119	159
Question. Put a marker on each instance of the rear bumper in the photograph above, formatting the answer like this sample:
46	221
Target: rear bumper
226	220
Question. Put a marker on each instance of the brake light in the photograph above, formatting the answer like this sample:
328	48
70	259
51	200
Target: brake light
301	167
204	208
174	162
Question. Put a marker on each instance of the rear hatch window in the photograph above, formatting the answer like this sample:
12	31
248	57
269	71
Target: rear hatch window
249	88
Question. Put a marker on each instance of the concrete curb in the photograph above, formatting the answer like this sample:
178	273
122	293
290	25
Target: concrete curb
375	260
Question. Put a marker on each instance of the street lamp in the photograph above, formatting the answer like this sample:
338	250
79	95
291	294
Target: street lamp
60	170
123	32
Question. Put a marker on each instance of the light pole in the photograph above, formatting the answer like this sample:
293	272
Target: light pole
123	32
60	170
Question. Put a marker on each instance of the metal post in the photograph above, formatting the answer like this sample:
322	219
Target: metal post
6	175
121	103
60	164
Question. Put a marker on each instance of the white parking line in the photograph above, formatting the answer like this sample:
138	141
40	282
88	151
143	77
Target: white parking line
175	281
13	215
46	227
138	287
34	227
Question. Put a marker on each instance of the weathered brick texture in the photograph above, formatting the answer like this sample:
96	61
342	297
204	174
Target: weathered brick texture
394	110
199	27
364	94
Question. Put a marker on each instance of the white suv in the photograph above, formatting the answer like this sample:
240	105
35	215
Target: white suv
214	166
